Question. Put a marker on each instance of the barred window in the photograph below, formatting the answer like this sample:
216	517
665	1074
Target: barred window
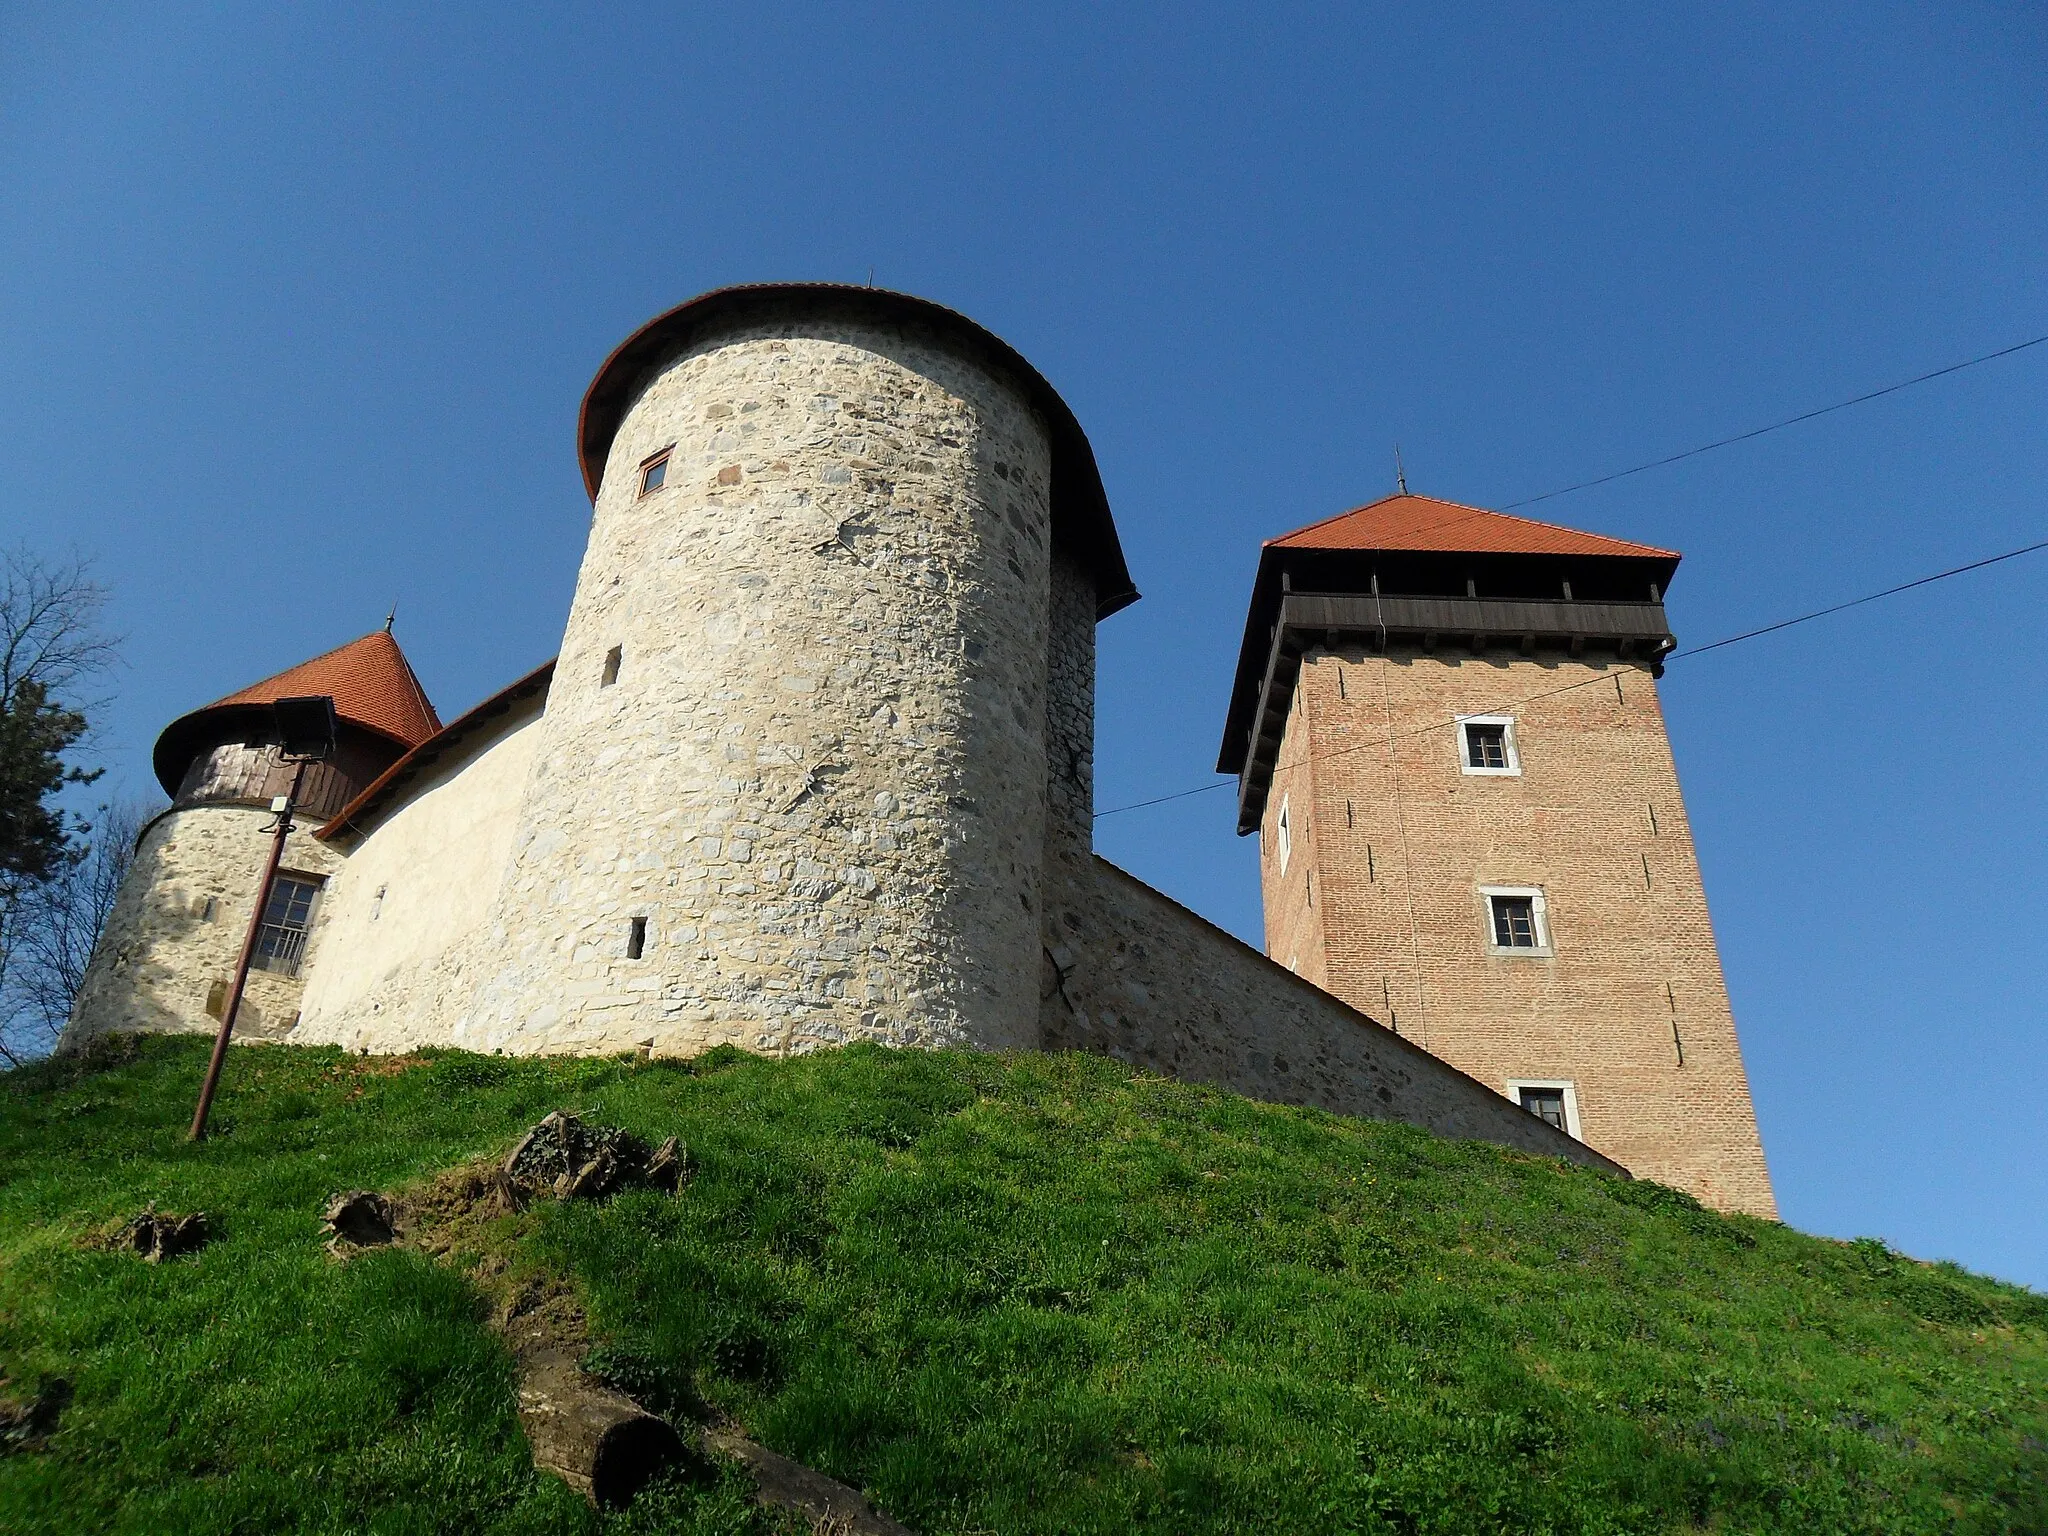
281	941
1486	746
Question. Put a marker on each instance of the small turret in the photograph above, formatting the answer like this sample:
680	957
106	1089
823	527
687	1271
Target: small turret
178	923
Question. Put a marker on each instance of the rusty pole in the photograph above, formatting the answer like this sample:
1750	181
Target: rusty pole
234	1000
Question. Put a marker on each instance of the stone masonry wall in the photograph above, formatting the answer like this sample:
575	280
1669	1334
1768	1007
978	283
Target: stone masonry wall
1069	873
393	954
1631	1008
819	778
1154	985
178	925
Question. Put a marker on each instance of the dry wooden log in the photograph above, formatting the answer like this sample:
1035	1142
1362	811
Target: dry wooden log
602	1444
780	1483
669	1168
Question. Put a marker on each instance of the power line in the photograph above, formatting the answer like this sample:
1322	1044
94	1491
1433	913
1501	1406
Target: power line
1858	602
1740	437
1696	650
1778	426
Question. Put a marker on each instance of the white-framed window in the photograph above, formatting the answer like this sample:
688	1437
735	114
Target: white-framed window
1283	835
1486	745
1517	920
1553	1100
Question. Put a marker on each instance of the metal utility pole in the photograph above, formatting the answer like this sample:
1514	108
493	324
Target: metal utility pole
305	730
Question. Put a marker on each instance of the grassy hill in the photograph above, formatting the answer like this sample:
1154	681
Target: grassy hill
1034	1294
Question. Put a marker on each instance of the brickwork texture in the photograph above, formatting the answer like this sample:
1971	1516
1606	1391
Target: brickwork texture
1393	844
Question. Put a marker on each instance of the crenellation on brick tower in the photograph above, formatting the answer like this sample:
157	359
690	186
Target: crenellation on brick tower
1449	743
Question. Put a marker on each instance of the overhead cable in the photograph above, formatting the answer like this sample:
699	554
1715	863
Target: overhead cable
1689	651
1778	426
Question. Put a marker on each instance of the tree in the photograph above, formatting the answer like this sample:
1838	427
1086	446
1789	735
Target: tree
51	645
53	926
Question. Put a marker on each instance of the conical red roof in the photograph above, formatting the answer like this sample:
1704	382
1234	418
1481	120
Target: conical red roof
1424	523
370	680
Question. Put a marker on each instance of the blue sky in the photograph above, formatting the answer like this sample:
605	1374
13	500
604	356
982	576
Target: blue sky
296	306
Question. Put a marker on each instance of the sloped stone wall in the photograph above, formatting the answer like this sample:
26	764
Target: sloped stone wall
1148	982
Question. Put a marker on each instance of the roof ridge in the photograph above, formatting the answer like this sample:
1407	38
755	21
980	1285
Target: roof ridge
1303	536
1537	522
269	677
419	689
1335	517
427	750
372	681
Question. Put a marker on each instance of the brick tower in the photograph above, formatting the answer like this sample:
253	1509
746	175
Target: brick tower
1446	732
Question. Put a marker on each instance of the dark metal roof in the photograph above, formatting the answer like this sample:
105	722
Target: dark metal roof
1081	521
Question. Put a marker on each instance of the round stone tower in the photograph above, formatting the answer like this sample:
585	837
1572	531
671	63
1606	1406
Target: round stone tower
171	942
792	784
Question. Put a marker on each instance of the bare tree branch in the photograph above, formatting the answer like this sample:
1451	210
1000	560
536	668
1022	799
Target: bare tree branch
55	894
51	928
50	623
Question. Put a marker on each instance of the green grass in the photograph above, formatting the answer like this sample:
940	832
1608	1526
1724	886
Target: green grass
1033	1294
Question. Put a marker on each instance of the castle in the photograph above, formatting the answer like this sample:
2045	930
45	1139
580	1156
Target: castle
815	765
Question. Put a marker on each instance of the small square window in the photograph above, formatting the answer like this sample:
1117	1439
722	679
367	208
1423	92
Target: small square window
654	473
1486	745
1516	921
1553	1101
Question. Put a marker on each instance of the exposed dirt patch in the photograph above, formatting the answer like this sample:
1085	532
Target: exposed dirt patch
361	1218
28	1418
593	1437
156	1236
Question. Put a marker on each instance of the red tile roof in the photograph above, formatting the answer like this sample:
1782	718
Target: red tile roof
372	684
1424	523
392	781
